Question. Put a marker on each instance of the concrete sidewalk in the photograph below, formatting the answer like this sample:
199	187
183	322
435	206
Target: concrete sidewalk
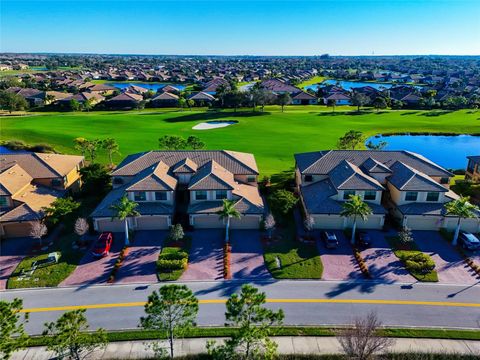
286	345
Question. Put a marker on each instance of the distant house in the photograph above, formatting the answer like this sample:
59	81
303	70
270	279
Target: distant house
171	89
202	98
82	97
279	87
304	98
339	98
102	89
411	99
31	181
134	89
5	67
473	168
124	101
55	96
34	97
212	85
165	99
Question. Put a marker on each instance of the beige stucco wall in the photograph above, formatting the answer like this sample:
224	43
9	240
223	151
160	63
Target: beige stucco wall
150	197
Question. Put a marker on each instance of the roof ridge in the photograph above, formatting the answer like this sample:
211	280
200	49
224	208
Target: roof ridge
46	164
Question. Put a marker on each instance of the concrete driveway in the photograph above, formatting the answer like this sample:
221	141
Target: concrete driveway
339	263
93	271
12	252
206	256
139	266
382	262
449	264
247	256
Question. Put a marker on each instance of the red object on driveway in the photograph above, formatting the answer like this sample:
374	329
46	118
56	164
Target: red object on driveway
103	245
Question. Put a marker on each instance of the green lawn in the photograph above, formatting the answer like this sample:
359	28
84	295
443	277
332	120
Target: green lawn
298	260
50	275
272	136
402	253
312	81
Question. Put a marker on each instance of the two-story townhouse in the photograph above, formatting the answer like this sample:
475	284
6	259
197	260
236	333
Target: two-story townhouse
473	168
28	183
410	187
170	185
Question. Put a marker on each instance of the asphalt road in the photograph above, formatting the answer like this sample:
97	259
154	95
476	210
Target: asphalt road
116	307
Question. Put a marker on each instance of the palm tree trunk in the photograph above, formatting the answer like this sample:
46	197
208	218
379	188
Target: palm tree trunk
127	242
457	231
227	230
110	157
354	228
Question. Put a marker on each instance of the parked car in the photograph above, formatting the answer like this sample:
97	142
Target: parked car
363	239
469	241
330	240
103	244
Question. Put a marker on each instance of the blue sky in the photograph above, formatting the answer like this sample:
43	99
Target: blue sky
360	27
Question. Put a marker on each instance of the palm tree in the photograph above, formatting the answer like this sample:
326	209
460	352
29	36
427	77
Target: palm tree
228	211
353	208
112	147
124	209
463	209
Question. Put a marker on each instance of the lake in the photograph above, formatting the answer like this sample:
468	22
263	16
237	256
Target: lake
448	151
5	150
153	87
349	85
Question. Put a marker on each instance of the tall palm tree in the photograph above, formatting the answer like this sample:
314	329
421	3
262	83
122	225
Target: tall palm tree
112	147
463	209
228	211
124	209
353	208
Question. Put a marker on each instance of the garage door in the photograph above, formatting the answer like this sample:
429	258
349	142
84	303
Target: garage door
328	222
16	230
246	222
373	222
207	222
152	223
470	225
423	223
109	225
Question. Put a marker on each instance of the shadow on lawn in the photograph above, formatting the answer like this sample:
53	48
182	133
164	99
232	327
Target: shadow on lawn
436	113
206	116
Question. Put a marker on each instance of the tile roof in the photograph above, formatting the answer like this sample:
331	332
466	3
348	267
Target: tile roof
347	176
185	165
202	96
322	162
235	162
155	178
20	213
406	178
212	176
13	179
126	96
373	166
166	96
39	165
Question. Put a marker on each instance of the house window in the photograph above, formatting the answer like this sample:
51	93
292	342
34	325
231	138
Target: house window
370	195
308	178
250	178
201	195
140	195
220	194
160	195
444	180
3	201
411	196
347	193
471	166
433	196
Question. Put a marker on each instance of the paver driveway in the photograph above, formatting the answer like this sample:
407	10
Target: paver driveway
339	263
247	256
12	252
382	262
139	264
93	271
206	256
449	264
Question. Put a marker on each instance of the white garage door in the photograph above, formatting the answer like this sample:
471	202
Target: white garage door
373	222
328	222
152	223
246	222
109	225
423	223
470	225
207	222
16	229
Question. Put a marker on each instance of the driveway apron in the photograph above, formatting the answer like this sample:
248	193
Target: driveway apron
12	252
247	256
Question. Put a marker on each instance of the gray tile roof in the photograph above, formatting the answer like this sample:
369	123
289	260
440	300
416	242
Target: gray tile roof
212	176
22	212
437	209
373	166
155	178
185	166
235	162
406	178
346	176
322	162
317	199
242	205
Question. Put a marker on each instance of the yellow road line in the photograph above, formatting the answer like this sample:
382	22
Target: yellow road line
310	301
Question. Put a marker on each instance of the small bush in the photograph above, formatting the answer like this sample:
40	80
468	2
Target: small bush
418	262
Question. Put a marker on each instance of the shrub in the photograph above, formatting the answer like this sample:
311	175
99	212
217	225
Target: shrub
282	201
418	262
172	261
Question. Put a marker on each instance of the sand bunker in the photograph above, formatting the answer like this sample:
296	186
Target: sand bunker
213	125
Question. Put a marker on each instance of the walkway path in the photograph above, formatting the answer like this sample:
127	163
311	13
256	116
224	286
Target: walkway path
286	345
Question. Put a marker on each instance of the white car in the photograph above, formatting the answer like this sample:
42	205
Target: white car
469	241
